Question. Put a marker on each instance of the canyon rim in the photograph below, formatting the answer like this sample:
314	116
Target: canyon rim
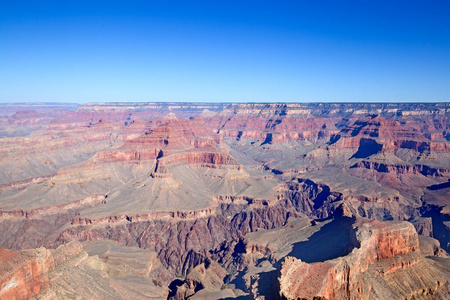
225	201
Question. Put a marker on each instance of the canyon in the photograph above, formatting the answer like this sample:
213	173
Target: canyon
225	201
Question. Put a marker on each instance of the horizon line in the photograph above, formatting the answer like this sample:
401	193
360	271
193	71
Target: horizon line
219	103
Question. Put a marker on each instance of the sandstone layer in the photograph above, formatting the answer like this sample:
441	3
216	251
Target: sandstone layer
225	200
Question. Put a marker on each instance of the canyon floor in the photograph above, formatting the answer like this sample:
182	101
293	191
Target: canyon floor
225	201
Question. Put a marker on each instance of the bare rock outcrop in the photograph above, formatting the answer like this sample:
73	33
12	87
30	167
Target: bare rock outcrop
205	277
367	272
24	274
178	198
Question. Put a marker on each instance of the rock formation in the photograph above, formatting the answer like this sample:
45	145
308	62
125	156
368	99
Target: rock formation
211	201
387	252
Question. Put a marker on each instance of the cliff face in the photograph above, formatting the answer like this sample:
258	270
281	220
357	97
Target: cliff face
175	239
186	184
386	250
403	169
28	273
375	134
271	123
24	274
108	272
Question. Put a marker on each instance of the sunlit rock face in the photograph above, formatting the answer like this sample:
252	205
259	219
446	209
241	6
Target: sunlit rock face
210	201
384	249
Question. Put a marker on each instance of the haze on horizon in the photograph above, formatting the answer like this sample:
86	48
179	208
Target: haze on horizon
235	51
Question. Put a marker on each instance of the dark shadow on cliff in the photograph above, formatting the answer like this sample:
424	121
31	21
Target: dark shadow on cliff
236	298
173	286
441	231
268	139
367	147
333	240
321	197
267	284
238	281
440	186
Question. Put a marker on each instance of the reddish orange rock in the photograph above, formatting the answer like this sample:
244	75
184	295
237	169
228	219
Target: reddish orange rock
385	248
24	274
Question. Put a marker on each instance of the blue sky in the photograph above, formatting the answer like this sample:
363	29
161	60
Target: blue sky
227	51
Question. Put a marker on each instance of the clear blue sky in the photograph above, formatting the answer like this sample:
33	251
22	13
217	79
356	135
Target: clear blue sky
284	51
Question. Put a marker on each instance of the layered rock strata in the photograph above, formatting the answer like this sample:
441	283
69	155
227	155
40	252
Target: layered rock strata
387	251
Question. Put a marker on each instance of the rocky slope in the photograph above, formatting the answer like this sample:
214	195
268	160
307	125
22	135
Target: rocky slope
95	271
207	200
387	253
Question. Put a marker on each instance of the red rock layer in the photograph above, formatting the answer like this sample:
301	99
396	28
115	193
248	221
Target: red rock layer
396	245
199	158
167	137
24	274
283	122
389	135
402	169
93	200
